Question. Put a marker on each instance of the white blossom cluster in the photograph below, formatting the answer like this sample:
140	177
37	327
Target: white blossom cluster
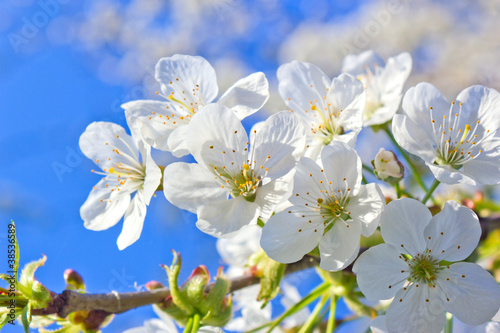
298	174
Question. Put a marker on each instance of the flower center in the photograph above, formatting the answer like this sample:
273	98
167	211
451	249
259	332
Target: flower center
329	124
245	183
456	144
423	268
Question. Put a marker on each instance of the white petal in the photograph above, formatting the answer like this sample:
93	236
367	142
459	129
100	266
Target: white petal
301	82
177	141
103	208
448	175
153	177
212	136
273	193
247	95
413	138
485	168
133	222
378	268
378	325
347	95
342	162
190	186
282	139
418	101
225	217
305	189
403	223
154	129
421	310
184	73
100	141
483	103
340	245
394	75
356	64
281	239
366	207
453	233
474	295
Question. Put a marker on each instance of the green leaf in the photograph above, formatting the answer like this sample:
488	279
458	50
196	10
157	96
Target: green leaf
271	277
28	273
26	317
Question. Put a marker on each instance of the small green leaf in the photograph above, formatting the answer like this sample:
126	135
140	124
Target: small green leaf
28	273
26	317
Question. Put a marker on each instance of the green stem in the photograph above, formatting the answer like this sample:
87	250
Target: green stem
363	179
367	168
196	323
311	321
449	323
431	190
299	306
189	326
331	318
398	190
407	158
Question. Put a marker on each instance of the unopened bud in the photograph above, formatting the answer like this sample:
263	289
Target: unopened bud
387	167
151	285
74	281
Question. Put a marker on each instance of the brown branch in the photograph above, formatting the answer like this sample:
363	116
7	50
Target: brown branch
71	301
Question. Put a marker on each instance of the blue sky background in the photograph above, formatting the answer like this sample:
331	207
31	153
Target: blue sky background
48	95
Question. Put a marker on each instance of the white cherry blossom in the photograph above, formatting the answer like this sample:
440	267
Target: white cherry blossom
459	141
188	83
383	83
330	110
234	183
330	209
416	266
127	168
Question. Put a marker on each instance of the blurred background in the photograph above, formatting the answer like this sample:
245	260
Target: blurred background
67	63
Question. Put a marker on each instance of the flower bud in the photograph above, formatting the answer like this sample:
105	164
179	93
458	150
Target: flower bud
387	167
152	285
74	281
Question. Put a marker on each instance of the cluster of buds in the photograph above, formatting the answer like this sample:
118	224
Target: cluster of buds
195	303
387	167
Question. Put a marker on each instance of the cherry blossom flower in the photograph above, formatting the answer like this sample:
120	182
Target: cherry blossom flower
330	110
330	208
254	179
127	168
188	83
459	140
416	266
383	83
